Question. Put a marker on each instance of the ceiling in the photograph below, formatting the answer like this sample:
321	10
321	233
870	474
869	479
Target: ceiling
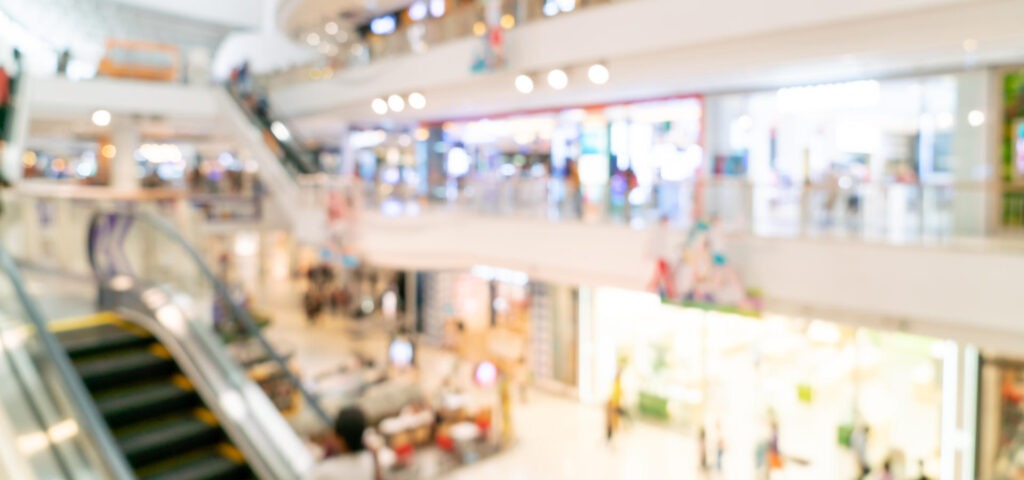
299	17
84	25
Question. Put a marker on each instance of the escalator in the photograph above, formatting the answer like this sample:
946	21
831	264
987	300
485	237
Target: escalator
160	423
145	389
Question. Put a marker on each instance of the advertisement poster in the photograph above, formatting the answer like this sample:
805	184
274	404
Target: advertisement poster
697	273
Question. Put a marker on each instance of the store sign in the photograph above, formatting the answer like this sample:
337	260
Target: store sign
698	272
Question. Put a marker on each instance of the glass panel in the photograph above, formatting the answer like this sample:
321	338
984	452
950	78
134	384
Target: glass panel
56	429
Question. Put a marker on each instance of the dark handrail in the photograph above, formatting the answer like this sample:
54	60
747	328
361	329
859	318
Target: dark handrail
290	152
108	449
221	290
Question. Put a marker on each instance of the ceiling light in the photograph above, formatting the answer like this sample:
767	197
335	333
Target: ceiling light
417	100
108	151
380	106
566	6
550	8
524	84
976	118
397	103
508	21
418	11
437	8
101	118
598	74
280	131
313	39
422	134
558	79
331	28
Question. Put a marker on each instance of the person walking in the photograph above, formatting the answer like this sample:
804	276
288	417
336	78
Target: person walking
613	409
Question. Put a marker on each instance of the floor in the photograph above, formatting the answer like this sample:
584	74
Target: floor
557	437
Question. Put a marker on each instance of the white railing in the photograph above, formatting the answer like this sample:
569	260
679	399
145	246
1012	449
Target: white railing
894	212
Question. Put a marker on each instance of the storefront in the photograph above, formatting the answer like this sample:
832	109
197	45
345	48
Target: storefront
819	382
1001	419
500	315
630	162
870	156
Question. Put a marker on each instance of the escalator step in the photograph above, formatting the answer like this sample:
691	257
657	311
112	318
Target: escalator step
88	341
121	368
208	466
166	438
123	406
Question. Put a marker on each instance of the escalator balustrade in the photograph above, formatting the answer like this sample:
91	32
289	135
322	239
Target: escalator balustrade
161	424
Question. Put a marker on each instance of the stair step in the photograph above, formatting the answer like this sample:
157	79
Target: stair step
123	406
207	466
101	338
156	441
122	368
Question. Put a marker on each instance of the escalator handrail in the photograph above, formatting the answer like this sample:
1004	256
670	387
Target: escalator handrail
222	292
302	165
89	415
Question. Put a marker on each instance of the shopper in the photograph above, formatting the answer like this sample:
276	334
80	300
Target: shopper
719	448
920	468
356	461
859	444
702	451
886	471
613	409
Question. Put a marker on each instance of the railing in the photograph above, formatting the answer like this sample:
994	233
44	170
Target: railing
144	247
455	24
60	432
894	212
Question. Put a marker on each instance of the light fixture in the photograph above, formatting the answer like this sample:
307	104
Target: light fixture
508	21
313	39
566	6
598	74
558	79
479	29
331	28
418	11
379	106
101	118
437	8
108	151
396	103
422	134
976	118
385	25
524	84
417	101
550	8
280	131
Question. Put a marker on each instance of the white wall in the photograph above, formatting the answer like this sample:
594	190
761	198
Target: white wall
966	292
62	97
233	13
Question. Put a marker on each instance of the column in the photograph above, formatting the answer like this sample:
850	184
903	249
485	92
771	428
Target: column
126	138
11	161
960	376
975	149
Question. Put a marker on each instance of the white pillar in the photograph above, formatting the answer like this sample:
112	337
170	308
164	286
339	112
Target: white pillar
976	149
11	161
124	173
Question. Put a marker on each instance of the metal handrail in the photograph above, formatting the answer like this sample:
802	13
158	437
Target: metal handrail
224	294
89	416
